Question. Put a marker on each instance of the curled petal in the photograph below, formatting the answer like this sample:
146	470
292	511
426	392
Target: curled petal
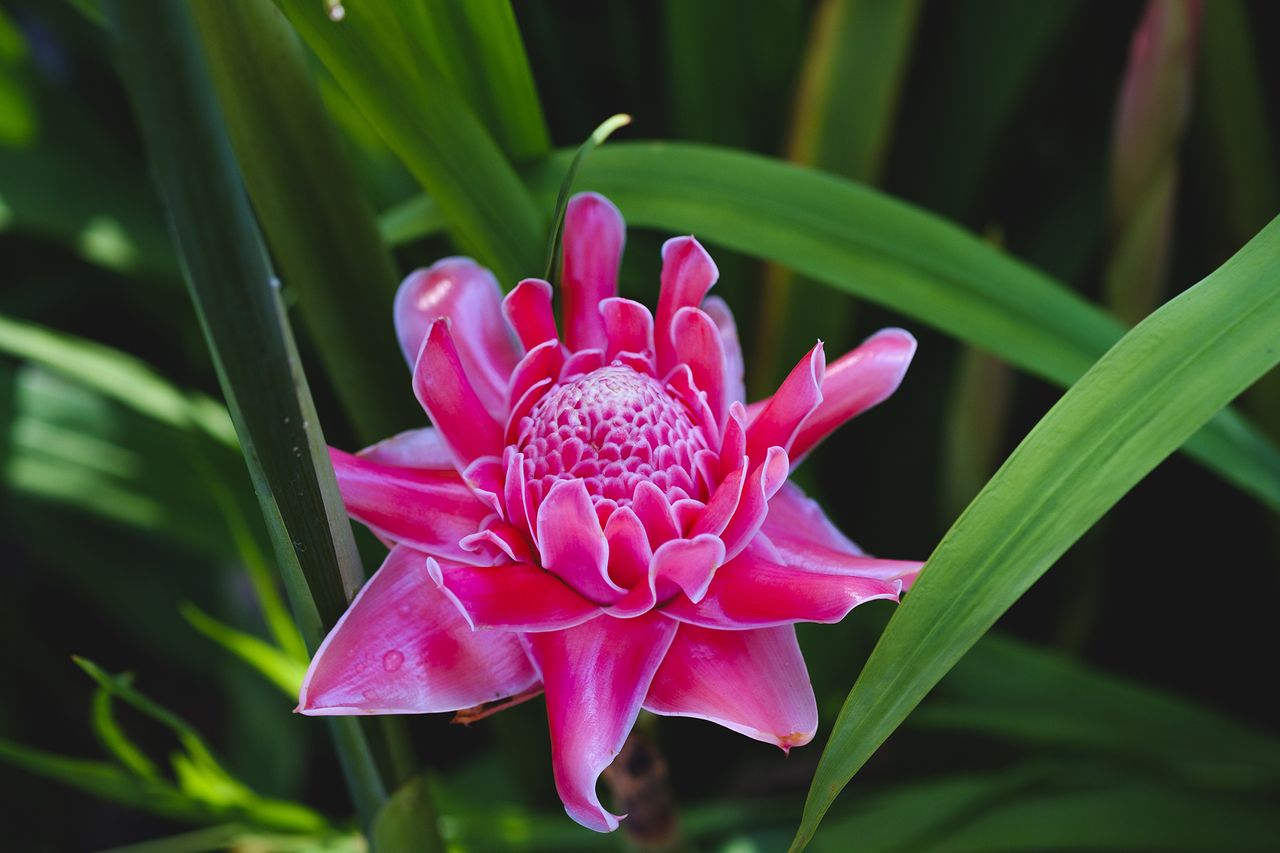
754	591
594	234
596	677
513	597
529	313
429	509
654	511
735	366
687	565
777	422
572	544
402	648
582	362
753	682
697	343
444	390
415	448
855	382
543	361
687	274
468	296
629	551
628	327
753	507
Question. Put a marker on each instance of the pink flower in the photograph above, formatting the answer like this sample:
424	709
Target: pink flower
598	515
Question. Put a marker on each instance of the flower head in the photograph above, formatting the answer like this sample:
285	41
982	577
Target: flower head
598	514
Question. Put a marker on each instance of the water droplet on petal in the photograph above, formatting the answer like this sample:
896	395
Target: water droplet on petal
392	660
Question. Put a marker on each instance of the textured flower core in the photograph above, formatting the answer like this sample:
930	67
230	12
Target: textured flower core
613	428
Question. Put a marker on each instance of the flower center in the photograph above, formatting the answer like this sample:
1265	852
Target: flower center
613	428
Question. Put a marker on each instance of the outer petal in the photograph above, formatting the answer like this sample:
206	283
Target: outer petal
687	274
431	510
718	310
754	591
528	311
777	422
415	448
468	295
402	648
854	383
697	343
596	677
513	597
628	327
445	391
572	544
753	682
594	234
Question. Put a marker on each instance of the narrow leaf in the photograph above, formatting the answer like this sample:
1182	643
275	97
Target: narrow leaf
282	670
599	135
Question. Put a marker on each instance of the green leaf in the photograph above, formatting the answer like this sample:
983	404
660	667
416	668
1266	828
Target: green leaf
315	217
599	135
115	740
408	821
1146	396
888	252
410	101
284	671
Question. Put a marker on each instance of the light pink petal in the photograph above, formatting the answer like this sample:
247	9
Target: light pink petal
777	421
697	343
468	296
761	484
594	234
528	311
402	648
513	597
628	327
687	565
752	591
596	677
687	274
572	544
444	390
718	310
855	382
415	448
431	510
753	682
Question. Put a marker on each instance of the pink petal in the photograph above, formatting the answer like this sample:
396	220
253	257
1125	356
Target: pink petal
402	648
718	310
723	504
444	390
513	597
543	361
572	544
753	507
697	343
431	510
468	296
796	520
687	274
596	677
529	313
654	512
733	448
628	327
629	551
754	591
594	234
753	682
776	422
855	382
687	565
415	448
581	362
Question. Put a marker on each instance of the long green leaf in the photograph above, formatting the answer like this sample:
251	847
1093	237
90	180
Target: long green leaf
1146	396
872	246
411	102
236	296
314	215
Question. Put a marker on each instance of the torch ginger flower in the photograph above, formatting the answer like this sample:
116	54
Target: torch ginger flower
598	516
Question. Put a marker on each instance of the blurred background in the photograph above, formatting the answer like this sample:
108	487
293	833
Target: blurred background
1124	703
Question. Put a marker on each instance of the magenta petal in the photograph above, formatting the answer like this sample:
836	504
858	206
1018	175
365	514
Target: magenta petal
543	361
628	327
687	565
796	520
402	648
654	512
594	234
855	382
753	682
718	310
415	448
529	313
572	544
629	551
697	343
431	510
753	506
753	591
444	390
687	274
777	420
596	677
514	596
468	296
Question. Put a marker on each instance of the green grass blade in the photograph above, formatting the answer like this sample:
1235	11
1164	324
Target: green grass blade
599	135
1146	396
273	663
315	217
410	101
